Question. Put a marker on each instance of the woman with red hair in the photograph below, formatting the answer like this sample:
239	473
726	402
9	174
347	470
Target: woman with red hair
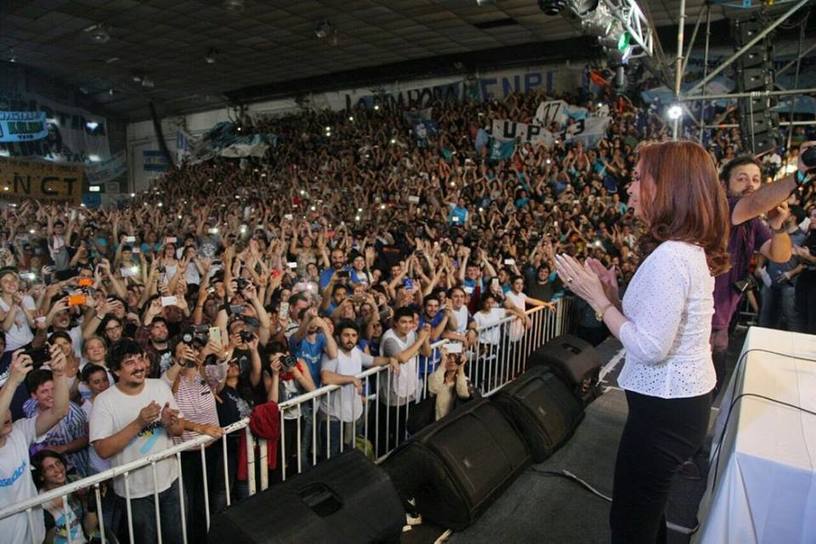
664	322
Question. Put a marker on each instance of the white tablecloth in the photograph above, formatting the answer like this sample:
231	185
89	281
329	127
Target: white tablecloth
765	488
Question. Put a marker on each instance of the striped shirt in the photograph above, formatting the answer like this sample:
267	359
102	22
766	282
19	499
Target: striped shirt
72	426
196	399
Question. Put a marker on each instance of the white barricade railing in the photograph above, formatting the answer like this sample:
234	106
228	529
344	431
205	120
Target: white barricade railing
317	426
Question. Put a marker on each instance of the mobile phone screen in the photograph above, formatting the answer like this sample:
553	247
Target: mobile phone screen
77	300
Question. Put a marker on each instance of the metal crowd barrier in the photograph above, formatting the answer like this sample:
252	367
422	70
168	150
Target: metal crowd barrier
498	356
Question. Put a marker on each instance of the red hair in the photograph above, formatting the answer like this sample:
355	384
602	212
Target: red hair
686	202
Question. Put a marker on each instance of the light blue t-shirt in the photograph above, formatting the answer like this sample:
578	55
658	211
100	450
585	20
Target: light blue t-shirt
311	353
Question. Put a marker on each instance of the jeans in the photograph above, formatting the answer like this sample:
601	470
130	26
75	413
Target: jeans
778	307
659	435
144	518
334	435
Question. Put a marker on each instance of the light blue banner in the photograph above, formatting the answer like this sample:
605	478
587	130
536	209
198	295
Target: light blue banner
502	150
22	126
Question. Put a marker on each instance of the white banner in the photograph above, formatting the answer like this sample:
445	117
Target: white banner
558	111
587	131
102	172
525	133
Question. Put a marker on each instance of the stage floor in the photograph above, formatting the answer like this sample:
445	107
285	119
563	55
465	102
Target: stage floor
545	508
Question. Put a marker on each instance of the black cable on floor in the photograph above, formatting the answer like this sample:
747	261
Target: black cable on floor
570	476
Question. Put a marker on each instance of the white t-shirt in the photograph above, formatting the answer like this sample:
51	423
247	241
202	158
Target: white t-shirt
484	321
405	386
17	485
517	327
113	411
462	319
20	333
97	463
345	404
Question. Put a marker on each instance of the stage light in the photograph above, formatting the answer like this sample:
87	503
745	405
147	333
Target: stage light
209	58
552	7
236	6
674	112
94	158
94	188
98	33
91	125
324	28
376	107
132	195
351	118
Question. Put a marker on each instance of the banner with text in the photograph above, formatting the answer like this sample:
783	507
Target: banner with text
105	171
73	134
588	131
22	126
41	180
481	87
558	111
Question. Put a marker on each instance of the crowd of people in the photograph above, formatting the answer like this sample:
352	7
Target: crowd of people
356	242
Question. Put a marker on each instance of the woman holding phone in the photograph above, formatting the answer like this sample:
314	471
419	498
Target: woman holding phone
664	322
449	382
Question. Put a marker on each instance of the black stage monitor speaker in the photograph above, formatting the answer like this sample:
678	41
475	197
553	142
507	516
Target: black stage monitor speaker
544	409
456	467
345	499
574	360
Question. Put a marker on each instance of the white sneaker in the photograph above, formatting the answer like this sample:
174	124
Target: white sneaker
413	520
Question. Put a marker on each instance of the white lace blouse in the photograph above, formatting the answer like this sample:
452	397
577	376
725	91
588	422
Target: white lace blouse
669	305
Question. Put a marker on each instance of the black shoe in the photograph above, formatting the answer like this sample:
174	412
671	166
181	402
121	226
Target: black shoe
690	471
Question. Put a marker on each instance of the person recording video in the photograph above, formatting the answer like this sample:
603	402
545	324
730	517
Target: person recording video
196	376
449	382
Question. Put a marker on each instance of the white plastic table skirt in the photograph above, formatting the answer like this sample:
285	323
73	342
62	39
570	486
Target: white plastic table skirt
762	482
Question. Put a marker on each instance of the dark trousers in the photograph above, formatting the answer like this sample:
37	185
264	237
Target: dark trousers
659	435
391	429
194	489
806	301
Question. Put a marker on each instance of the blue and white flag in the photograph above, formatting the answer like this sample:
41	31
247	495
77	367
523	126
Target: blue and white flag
502	149
482	139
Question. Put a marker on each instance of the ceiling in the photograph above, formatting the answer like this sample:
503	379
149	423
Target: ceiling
269	44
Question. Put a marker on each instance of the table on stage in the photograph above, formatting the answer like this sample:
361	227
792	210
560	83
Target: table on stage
762	481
